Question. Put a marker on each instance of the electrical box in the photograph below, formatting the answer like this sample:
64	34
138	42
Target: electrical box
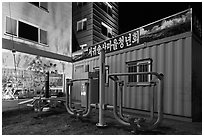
94	87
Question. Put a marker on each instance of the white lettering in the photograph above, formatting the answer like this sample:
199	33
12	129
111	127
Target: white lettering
94	50
128	40
115	45
121	42
135	37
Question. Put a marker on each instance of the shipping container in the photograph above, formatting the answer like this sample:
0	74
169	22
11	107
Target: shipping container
173	50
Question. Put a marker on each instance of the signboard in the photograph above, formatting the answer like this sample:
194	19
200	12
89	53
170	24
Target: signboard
169	26
117	43
56	80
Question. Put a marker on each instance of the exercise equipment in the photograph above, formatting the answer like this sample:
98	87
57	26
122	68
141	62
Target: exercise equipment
44	102
136	123
139	123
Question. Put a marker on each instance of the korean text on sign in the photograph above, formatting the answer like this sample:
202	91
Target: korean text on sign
121	42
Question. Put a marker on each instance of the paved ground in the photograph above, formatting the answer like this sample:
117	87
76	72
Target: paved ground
11	104
25	121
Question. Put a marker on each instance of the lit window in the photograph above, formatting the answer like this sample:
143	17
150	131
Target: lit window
109	9
81	25
139	66
105	6
11	26
106	30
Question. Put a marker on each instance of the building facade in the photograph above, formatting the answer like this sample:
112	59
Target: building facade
93	22
38	32
171	46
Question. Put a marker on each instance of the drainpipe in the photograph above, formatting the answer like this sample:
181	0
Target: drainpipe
101	89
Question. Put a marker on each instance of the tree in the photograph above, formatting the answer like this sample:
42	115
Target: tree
39	68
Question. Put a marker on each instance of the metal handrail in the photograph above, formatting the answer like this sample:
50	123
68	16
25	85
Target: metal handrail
121	119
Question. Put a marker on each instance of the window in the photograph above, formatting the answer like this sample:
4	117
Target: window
81	4
139	66
35	3
81	25
43	36
24	30
28	32
105	6
106	74
43	5
106	30
11	26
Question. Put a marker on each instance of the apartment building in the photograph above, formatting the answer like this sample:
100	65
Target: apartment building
93	22
38	32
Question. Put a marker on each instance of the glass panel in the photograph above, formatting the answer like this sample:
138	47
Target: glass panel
43	37
11	25
109	11
104	30
143	68
44	5
84	25
35	3
28	32
81	25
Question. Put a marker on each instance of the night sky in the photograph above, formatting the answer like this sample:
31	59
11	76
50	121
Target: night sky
136	14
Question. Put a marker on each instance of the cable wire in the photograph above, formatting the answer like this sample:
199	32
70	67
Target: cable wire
14	58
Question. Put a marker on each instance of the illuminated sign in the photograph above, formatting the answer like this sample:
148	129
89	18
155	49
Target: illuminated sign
169	26
117	43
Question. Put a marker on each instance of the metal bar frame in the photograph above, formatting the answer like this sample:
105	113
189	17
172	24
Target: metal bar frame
101	122
68	102
138	126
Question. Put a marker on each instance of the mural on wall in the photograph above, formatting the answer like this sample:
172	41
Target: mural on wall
28	79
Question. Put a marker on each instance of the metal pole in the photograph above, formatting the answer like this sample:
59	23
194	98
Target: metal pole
152	102
47	85
101	89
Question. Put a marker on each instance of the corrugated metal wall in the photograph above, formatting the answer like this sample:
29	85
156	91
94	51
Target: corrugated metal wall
172	57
